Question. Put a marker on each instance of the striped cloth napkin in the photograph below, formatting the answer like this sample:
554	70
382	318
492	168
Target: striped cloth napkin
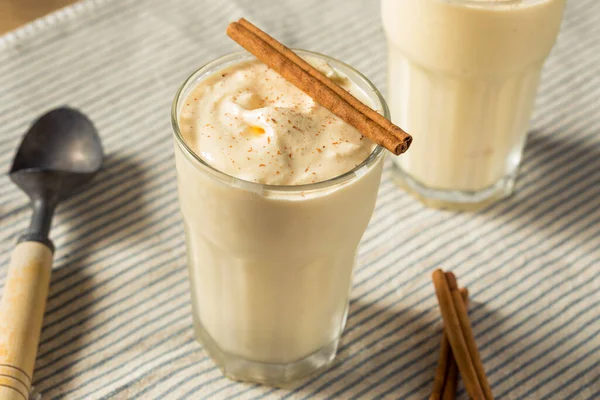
118	321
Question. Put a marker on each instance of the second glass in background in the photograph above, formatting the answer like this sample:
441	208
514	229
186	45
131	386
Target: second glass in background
462	79
271	266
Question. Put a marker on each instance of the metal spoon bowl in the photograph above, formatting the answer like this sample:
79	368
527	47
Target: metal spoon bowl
58	155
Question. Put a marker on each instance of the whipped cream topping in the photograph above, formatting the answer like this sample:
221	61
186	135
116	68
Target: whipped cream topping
249	122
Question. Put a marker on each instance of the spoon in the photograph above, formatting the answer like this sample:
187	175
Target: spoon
58	155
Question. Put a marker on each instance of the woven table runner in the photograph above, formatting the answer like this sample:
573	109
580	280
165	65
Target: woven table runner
118	322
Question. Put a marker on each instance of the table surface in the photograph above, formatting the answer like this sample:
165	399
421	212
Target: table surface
118	320
14	13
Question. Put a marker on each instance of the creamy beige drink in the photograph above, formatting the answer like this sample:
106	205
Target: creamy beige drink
249	122
275	193
463	76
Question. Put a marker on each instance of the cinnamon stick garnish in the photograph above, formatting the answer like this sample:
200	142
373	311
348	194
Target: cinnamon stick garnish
324	91
455	336
353	101
467	331
446	375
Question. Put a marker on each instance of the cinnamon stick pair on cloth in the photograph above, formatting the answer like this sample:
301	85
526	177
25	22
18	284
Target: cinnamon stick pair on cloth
322	89
458	350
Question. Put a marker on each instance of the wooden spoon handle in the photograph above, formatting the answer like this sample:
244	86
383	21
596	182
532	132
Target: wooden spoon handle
21	316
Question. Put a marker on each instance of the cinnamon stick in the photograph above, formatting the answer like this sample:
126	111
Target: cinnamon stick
452	375
446	375
338	102
353	101
451	381
439	381
467	331
455	336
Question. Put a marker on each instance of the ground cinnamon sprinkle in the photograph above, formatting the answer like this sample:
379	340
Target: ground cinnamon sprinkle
322	89
312	127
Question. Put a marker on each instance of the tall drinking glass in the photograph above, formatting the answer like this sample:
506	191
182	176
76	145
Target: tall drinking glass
271	266
462	79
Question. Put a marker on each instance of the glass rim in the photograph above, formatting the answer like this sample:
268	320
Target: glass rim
352	174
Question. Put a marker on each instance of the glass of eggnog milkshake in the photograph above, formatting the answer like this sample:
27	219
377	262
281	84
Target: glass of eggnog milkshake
462	78
276	193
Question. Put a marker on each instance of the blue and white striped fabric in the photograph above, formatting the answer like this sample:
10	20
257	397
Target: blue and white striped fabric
118	321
